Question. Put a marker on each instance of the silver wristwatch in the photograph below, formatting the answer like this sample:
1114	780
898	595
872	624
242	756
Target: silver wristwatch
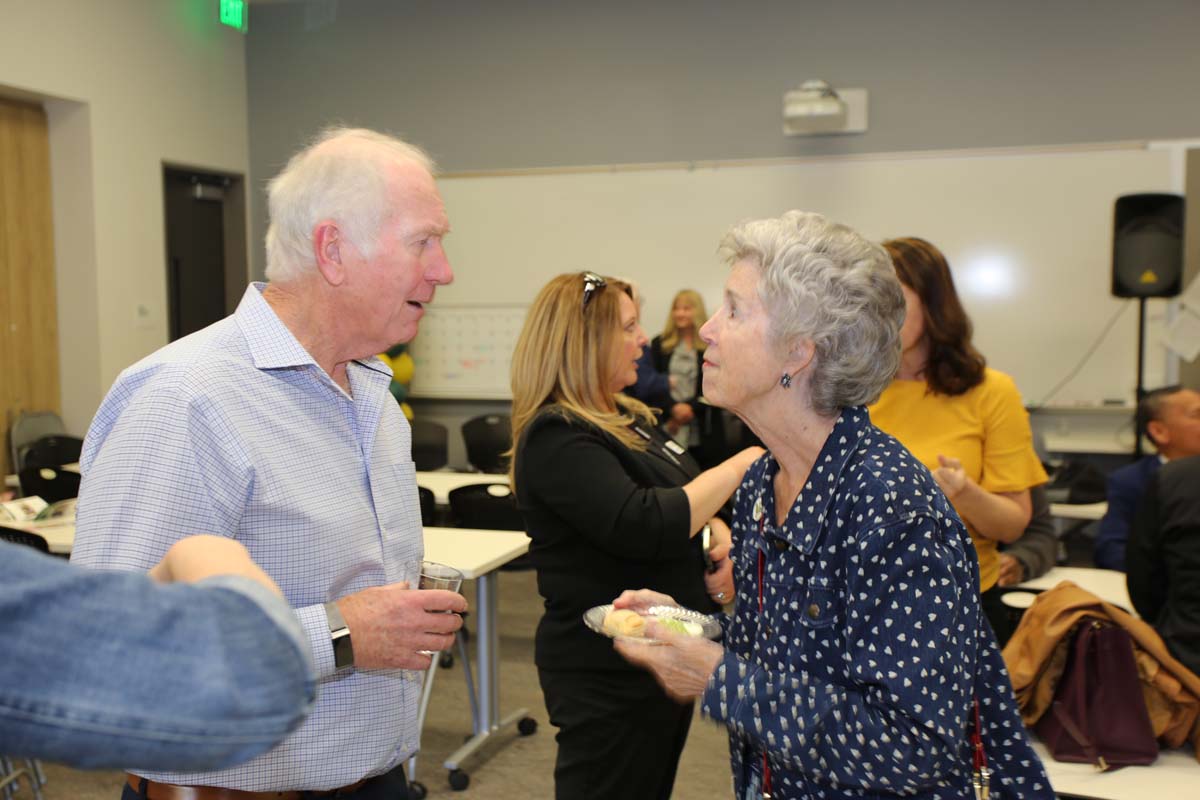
339	634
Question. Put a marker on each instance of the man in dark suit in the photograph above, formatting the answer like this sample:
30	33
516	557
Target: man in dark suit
1164	559
1169	417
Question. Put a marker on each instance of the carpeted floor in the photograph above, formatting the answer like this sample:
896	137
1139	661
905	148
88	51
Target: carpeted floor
514	766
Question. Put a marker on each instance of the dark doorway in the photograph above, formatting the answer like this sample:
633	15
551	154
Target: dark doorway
206	260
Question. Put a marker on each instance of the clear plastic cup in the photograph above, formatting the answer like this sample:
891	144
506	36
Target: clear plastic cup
439	576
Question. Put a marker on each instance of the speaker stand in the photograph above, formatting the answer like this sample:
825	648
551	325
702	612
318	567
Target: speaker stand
1140	391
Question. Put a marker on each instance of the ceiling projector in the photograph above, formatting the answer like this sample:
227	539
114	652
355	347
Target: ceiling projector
816	108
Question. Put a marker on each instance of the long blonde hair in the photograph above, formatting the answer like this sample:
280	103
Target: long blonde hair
670	334
564	358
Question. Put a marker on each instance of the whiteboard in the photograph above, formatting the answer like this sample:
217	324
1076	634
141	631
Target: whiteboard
465	351
1028	234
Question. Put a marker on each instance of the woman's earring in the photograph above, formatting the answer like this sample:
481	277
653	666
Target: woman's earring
786	381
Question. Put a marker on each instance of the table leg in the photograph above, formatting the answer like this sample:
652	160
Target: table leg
488	721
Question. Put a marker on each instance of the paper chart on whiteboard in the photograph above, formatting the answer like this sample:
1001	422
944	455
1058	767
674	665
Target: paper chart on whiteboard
466	351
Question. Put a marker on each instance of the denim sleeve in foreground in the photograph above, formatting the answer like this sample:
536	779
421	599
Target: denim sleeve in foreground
108	669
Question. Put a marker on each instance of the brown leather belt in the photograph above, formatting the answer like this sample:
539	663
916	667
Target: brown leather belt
169	791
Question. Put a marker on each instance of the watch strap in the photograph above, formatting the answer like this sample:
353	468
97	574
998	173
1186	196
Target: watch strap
339	635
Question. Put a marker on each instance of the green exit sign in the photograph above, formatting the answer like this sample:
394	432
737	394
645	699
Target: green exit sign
234	14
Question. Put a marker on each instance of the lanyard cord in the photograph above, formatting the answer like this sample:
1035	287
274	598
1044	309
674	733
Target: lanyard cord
762	526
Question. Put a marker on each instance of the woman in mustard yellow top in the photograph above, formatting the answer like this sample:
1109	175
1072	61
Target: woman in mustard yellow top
964	421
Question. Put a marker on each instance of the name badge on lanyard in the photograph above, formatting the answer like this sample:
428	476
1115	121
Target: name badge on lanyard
669	449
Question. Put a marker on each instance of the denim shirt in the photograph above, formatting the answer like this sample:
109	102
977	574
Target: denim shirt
857	678
109	669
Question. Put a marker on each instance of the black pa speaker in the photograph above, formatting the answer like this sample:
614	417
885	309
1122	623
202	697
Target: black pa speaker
1147	245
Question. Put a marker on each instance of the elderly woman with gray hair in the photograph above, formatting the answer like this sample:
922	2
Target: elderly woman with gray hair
856	663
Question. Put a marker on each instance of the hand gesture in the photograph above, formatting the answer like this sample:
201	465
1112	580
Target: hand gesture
205	555
390	624
1012	571
950	476
682	413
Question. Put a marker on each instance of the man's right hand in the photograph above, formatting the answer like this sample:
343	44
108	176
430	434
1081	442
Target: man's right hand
390	624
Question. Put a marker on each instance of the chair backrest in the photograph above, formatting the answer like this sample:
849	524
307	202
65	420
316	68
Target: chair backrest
428	506
27	428
485	505
430	445
53	451
489	505
17	536
487	438
49	483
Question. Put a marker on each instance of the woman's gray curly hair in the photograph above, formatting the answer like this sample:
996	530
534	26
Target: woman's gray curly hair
824	282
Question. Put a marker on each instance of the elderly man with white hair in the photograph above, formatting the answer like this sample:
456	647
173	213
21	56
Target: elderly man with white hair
275	427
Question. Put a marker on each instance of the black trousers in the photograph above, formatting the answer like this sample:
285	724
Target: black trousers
618	735
998	615
388	786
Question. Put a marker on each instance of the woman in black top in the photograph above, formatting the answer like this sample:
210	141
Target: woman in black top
610	503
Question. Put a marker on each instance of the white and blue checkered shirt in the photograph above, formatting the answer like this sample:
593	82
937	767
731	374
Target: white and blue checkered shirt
236	430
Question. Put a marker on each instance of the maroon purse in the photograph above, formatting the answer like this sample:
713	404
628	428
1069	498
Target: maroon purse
1098	715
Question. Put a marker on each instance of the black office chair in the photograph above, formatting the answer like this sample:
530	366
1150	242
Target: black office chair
53	451
487	438
49	483
428	506
18	536
430	445
27	428
489	505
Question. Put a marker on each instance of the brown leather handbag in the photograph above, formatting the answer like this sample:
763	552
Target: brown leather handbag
1098	715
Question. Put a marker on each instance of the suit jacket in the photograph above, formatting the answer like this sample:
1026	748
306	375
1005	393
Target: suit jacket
1163	558
1125	488
603	518
652	387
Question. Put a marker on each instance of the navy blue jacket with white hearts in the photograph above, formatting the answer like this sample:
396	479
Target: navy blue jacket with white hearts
857	678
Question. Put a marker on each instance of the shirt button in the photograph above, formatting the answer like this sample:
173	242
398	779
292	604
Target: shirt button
781	545
814	611
768	631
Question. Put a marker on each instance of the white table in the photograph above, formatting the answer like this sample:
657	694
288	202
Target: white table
1176	774
441	483
1107	584
1084	511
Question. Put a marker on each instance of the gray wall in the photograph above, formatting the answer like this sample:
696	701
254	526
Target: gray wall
497	84
491	84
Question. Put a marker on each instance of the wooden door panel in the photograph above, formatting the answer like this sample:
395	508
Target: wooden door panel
29	379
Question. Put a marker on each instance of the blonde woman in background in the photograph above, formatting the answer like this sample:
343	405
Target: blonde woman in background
678	352
609	502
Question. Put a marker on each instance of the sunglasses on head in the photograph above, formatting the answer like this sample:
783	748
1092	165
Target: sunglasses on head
592	283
